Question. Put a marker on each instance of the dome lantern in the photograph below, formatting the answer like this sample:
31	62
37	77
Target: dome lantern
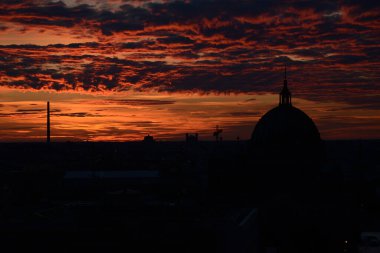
285	95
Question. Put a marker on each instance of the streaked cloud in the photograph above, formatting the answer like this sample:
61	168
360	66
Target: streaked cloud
90	47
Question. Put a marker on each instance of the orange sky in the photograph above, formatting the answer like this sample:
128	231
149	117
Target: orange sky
118	70
130	116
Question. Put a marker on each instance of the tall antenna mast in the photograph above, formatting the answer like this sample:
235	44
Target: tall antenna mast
48	123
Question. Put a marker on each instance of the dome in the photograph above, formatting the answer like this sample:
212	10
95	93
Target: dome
285	125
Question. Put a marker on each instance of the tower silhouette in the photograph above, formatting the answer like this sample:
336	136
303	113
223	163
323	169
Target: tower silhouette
48	123
285	95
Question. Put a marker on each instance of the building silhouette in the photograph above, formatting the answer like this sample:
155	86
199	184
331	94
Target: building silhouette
191	138
284	152
299	213
148	139
279	172
286	131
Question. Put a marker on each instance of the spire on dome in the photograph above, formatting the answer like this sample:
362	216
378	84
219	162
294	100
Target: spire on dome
285	95
285	73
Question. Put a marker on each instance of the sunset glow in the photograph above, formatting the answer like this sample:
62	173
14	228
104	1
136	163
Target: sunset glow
118	70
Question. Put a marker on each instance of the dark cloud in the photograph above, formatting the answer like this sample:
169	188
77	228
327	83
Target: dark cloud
137	102
347	59
76	114
50	13
175	39
30	110
137	45
244	114
110	27
199	46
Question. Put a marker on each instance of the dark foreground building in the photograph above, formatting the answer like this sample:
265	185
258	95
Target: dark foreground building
299	210
281	172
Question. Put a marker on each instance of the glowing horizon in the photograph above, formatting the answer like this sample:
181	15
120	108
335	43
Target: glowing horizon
129	117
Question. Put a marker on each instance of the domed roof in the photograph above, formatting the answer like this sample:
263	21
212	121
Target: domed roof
285	125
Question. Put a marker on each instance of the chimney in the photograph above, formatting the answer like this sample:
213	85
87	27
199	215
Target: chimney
48	123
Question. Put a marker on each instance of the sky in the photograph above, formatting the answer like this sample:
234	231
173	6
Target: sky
118	70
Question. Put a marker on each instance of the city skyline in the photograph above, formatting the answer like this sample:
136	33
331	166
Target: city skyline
119	70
